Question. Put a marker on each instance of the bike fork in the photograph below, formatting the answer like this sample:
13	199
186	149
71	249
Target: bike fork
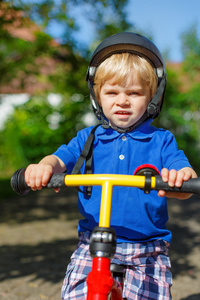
100	281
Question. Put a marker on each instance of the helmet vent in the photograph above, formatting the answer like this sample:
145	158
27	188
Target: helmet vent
93	102
92	71
159	72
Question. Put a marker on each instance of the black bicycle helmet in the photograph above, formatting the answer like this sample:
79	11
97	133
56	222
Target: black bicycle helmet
141	46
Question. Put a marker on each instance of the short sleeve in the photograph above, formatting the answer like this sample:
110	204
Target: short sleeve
70	153
172	157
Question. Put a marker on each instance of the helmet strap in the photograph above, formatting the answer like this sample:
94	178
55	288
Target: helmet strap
95	105
153	108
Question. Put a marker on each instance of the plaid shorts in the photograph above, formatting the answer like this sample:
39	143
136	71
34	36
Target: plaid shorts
147	273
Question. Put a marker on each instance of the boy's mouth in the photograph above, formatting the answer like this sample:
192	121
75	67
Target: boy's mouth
122	113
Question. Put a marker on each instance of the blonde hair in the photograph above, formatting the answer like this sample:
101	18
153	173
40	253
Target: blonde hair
120	68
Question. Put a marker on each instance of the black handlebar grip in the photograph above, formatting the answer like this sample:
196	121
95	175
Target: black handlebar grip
57	180
19	185
18	182
191	186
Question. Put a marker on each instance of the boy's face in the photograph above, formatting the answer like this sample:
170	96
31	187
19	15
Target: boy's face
124	106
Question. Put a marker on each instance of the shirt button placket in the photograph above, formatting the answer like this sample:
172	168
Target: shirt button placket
121	156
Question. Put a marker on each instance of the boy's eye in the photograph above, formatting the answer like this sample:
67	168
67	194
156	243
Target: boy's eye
134	93
112	93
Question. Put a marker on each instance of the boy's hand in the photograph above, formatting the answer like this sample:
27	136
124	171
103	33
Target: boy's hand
38	175
176	178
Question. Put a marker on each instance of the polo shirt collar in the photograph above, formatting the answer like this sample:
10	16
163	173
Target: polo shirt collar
143	131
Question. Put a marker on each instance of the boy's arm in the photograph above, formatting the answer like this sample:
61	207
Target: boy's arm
176	178
38	175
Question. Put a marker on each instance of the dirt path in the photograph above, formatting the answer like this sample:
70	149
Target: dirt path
38	233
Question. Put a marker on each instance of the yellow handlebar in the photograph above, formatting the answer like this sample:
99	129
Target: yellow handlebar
107	181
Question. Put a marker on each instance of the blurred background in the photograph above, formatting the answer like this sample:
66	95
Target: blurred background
45	47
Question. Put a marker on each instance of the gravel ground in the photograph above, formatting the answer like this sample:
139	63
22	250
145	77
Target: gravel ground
38	233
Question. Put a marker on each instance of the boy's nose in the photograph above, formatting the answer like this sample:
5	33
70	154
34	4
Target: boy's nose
122	99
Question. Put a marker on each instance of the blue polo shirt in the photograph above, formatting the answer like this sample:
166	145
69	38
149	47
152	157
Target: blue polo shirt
136	217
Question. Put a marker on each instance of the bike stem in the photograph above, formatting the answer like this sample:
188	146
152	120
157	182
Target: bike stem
106	203
106	195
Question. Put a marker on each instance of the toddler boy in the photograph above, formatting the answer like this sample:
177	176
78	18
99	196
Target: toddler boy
127	80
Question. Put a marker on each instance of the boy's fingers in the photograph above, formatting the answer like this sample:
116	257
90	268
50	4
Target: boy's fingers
27	175
165	174
161	193
180	178
46	176
37	176
172	177
187	176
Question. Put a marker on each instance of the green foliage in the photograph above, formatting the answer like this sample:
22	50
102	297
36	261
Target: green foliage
181	115
30	133
181	110
109	17
18	56
191	51
37	128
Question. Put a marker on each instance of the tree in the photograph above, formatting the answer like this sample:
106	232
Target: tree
18	54
181	110
28	133
191	50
